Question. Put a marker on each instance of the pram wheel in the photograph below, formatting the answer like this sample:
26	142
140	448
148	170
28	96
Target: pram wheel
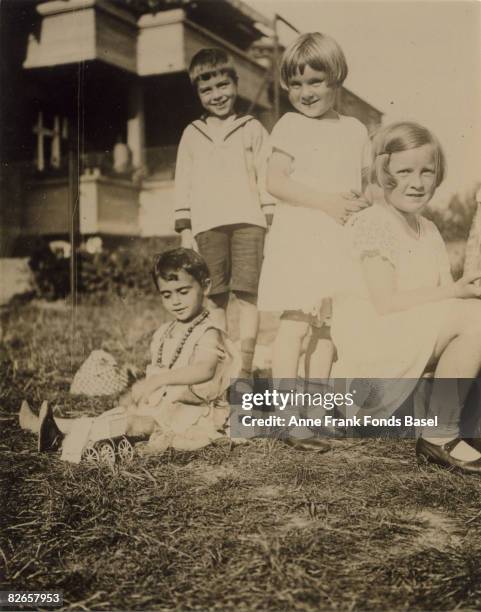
90	455
125	450
106	451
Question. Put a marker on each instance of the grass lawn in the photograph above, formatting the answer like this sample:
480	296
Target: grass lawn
251	527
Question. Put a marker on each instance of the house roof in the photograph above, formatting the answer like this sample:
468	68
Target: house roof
152	6
231	19
249	12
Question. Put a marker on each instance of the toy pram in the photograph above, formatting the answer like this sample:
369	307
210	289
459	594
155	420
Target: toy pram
107	440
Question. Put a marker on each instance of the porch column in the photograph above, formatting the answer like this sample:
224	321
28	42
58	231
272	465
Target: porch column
136	123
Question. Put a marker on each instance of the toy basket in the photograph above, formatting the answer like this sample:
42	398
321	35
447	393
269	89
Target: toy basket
99	375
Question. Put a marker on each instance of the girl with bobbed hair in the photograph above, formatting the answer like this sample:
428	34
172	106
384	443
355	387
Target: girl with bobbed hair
402	313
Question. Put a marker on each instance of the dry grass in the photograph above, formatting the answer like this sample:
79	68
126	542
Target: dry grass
251	527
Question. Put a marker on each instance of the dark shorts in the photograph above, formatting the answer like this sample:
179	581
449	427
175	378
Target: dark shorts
234	256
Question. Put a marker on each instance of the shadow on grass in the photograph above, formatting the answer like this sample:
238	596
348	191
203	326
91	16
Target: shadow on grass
256	526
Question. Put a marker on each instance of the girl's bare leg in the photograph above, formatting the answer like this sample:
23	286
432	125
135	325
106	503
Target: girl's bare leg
136	424
285	363
458	355
218	309
320	360
322	352
139	425
29	420
287	349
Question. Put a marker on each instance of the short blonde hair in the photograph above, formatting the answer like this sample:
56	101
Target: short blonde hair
397	137
319	52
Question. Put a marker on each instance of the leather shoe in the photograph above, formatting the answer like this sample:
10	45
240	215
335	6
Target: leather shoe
474	442
440	454
311	444
49	435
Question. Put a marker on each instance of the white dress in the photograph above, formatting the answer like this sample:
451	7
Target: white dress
190	417
398	345
300	259
187	417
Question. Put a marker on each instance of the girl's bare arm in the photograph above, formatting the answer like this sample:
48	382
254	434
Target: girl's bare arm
282	186
380	277
202	370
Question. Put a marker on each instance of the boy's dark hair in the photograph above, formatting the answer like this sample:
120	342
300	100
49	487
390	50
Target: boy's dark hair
167	264
208	62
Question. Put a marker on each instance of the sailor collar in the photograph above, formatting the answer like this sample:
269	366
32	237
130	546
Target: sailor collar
202	126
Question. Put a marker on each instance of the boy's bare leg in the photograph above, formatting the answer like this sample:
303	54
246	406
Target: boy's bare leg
218	309
248	329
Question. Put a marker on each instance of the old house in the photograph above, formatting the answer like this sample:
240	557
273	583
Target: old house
107	78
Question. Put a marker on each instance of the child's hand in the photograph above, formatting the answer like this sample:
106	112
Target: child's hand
138	390
344	205
355	203
466	286
143	390
221	352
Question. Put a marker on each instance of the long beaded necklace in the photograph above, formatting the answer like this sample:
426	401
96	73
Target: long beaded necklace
178	350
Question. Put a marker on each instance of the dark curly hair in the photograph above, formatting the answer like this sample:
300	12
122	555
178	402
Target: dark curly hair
167	264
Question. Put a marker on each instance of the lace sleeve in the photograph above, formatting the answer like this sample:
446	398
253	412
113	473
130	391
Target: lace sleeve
373	236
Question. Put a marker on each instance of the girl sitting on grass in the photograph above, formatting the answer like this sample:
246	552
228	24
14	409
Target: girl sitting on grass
402	312
179	403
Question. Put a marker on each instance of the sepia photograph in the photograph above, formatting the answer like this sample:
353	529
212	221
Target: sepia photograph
240	305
